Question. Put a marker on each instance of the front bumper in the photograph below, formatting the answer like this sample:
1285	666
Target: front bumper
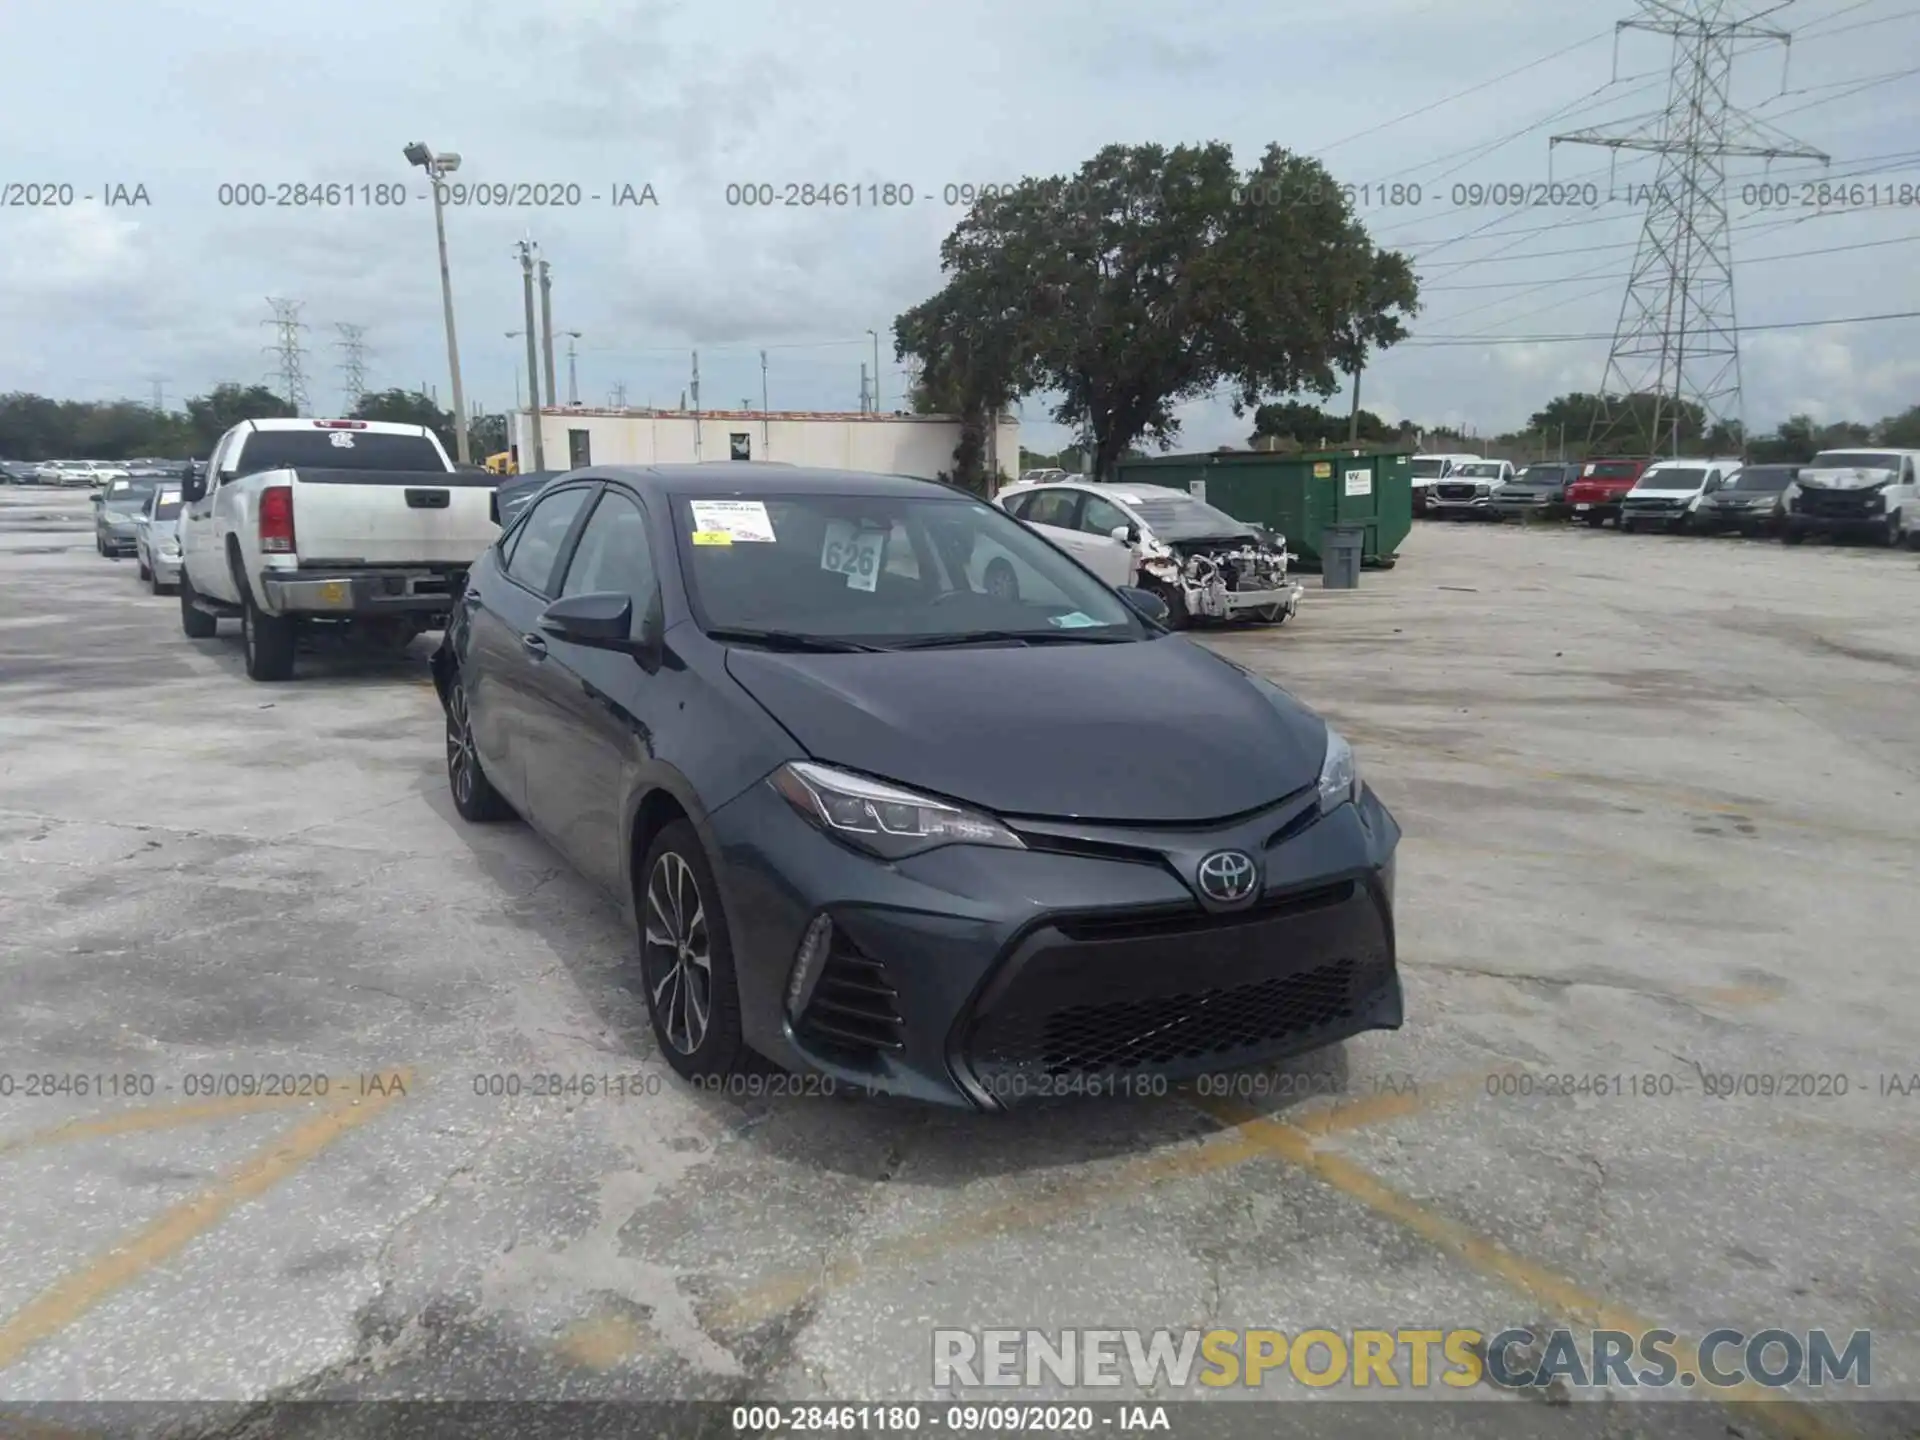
426	594
1509	507
981	977
1873	523
1478	505
1747	522
1243	602
1656	517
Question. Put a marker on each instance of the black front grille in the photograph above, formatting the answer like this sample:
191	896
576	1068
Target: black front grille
1839	504
1183	993
1456	491
854	1010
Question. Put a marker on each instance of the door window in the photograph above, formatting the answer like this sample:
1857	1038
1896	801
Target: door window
1102	517
1053	507
614	554
542	537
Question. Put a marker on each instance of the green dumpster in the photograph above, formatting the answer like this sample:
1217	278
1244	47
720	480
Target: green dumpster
1296	495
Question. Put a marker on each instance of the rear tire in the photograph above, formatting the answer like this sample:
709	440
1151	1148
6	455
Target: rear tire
1624	525
1790	536
269	641
686	959
473	794
195	623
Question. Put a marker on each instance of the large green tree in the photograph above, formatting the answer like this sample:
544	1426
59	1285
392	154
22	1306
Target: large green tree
1150	278
407	407
225	406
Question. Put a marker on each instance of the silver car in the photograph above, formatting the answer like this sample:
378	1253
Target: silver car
116	508
157	539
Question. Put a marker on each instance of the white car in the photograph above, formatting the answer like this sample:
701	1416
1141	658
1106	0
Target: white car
1428	470
361	524
1201	561
73	474
1466	490
1867	492
1668	493
157	539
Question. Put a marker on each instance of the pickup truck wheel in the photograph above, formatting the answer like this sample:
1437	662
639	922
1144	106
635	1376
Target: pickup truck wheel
1913	539
1791	536
473	794
195	623
1892	538
269	641
686	959
1595	521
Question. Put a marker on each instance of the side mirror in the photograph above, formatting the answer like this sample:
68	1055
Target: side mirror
1125	534
1144	603
95	498
193	488
602	621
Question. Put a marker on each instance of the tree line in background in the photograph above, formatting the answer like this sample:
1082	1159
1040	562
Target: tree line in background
33	427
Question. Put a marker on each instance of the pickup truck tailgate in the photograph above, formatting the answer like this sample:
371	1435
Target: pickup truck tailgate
392	517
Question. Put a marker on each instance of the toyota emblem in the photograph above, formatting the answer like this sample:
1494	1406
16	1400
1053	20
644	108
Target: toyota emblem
1227	876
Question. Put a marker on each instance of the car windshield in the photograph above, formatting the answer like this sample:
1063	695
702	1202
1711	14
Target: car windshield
1763	477
168	508
336	450
1181	517
1428	469
129	494
1611	470
1542	475
1853	460
886	569
1486	470
1671	480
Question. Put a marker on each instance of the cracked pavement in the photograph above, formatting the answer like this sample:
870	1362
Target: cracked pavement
1661	826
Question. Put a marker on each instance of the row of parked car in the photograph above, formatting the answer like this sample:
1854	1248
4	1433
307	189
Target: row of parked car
1871	494
84	474
804	726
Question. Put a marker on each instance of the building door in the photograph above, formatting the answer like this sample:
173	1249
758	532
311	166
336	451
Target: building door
579	452
739	446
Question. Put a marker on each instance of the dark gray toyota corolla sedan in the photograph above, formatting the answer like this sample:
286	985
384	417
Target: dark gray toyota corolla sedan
878	817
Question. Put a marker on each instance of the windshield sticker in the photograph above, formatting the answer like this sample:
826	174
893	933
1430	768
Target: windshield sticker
854	553
744	521
712	537
341	440
1076	621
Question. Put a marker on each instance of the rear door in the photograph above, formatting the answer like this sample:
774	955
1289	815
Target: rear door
506	650
1055	514
371	497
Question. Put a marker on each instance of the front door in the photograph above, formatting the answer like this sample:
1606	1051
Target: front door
1110	559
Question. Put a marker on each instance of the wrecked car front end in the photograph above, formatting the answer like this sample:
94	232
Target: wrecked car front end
1223	578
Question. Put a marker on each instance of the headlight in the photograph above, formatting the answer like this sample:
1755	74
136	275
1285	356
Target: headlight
1483	489
883	819
1339	773
1877	500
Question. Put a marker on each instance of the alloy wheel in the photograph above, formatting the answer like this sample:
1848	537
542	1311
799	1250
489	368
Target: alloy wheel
677	961
462	761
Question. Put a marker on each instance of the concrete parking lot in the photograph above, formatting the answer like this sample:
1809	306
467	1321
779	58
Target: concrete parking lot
1662	804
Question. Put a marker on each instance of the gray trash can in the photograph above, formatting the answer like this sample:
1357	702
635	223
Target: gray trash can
1340	554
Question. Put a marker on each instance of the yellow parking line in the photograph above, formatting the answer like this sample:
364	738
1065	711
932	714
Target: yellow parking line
1072	1197
155	1117
1790	1420
71	1297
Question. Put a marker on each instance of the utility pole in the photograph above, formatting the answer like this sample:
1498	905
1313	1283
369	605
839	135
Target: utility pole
863	388
515	335
438	167
876	370
1676	338
546	329
573	368
1353	419
160	396
290	373
533	360
766	423
696	406
353	368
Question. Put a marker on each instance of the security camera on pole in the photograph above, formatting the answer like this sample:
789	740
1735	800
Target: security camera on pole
438	167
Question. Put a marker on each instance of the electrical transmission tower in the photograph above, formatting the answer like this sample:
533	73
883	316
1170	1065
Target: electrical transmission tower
290	374
1676	339
353	368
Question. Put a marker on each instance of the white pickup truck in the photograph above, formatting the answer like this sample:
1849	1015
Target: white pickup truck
297	523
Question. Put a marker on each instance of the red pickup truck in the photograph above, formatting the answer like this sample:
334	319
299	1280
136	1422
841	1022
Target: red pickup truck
1595	496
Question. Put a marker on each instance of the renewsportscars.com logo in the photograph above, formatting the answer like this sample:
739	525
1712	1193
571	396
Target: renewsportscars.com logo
1514	1359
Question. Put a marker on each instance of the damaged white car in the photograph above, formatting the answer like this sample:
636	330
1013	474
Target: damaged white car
1204	563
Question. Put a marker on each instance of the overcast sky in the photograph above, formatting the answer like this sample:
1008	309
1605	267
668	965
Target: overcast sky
181	96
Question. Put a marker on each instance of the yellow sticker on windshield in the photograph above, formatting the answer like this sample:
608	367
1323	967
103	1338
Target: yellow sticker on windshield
712	537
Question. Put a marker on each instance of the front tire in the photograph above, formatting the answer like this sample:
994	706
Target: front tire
1892	538
686	959
269	641
473	794
146	570
195	623
1595	521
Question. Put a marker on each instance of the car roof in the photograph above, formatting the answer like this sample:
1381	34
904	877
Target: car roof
720	478
1126	494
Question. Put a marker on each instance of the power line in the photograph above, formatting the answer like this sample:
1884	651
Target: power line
1627	275
1606	335
290	373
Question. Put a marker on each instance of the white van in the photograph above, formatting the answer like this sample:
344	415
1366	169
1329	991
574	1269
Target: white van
1864	491
1668	492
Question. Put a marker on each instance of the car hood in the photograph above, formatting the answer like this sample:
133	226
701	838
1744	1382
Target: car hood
1843	479
1161	731
1532	487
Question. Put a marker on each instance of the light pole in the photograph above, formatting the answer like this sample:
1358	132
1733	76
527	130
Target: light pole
515	335
876	370
438	166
